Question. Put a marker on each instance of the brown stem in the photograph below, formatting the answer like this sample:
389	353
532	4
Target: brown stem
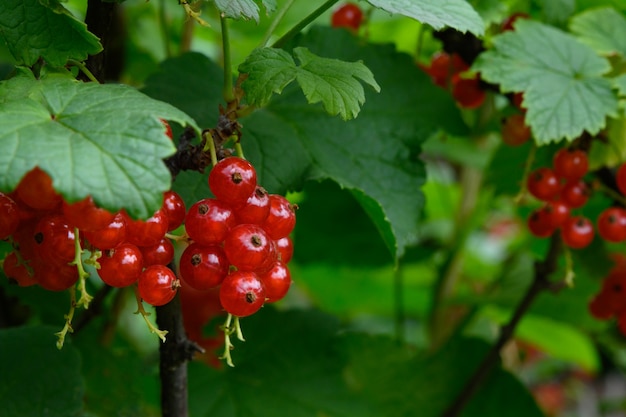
104	19
540	283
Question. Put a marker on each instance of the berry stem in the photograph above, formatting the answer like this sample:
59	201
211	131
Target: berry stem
277	18
229	95
612	193
85	298
239	150
228	330
527	169
210	146
568	280
68	319
238	331
303	23
192	14
145	314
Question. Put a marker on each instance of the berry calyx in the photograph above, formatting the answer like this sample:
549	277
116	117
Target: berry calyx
242	293
347	16
232	180
157	285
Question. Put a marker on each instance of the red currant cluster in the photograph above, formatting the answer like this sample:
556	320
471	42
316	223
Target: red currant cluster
44	229
611	300
347	16
239	240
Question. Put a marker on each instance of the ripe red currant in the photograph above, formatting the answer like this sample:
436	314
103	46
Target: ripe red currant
54	240
16	271
9	216
86	215
539	223
575	194
55	277
160	254
443	66
146	232
249	248
284	246
121	266
514	130
203	267
543	184
208	221
558	212
467	91
233	180
256	209
570	164
110	236
157	285
174	209
612	224
281	219
242	293
35	190
276	282
577	232
347	16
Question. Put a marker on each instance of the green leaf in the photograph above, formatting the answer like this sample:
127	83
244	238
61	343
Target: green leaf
603	29
244	9
100	140
457	14
39	379
333	82
558	11
561	78
34	29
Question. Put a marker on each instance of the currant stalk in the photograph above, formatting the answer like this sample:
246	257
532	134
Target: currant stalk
67	328
145	314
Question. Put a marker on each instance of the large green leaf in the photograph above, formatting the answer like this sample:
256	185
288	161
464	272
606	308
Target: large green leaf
37	378
602	29
246	9
100	140
561	78
36	28
457	14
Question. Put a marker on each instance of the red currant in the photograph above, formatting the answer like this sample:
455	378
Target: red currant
121	266
599	307
110	236
276	282
575	194
9	216
256	209
157	285
613	291
160	254
281	219
620	177
55	277
570	164
174	209
347	16
539	223
284	246
208	221
558	212
543	184
203	267
242	293
467	91
577	232
54	240
249	248
146	232
612	224
36	190
443	66
233	180
16	271
514	130
86	215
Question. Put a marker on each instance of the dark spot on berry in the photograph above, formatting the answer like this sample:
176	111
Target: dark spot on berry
236	177
203	209
196	259
39	238
250	297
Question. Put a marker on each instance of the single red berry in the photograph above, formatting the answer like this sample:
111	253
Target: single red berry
249	248
577	232
443	66
16	271
208	221
543	184
613	292
558	213
121	266
54	240
570	164
157	285
620	177
233	180
514	130
9	216
612	224
24	240
160	254
575	194
347	16
174	209
284	246
168	129
55	277
256	209
110	236
203	267
599	307
242	293
467	91
276	282
281	219
35	189
509	22
146	232
86	215
539	223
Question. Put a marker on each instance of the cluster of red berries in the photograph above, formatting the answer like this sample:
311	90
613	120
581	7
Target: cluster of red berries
43	229
347	16
610	302
239	240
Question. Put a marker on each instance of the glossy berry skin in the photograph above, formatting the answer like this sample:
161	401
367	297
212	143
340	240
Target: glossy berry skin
543	184
242	293
620	177
256	209
276	282
208	221
233	180
57	277
9	216
284	246
110	236
577	232
160	254
514	130
54	240
146	232
443	66
612	224
121	266
16	271
86	215
558	212
35	190
539	223
575	194
174	209
281	219
157	285
203	267
467	92
570	164
347	16
249	248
